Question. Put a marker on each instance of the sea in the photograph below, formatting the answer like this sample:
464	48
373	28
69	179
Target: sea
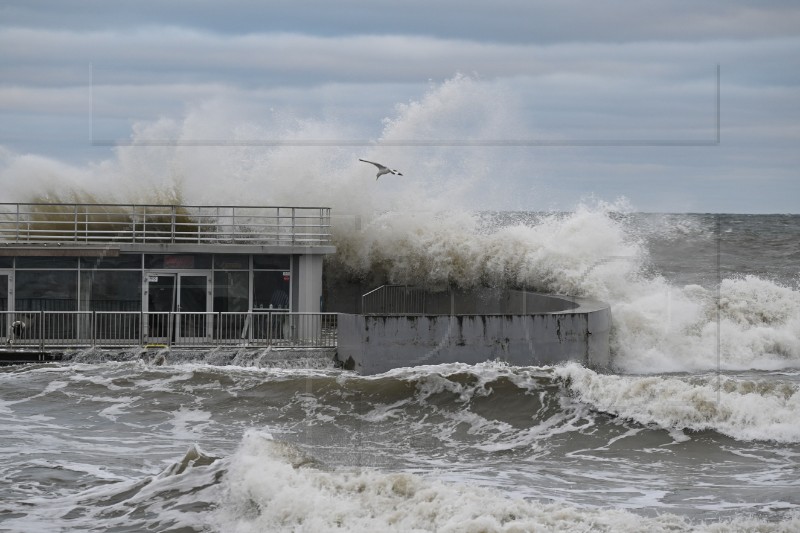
695	427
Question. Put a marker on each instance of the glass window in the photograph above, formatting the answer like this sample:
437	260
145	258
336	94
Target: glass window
231	262
46	290
231	292
270	290
47	262
272	262
3	298
133	261
109	290
177	261
6	262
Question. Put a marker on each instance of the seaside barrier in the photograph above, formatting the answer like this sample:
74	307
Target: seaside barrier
51	330
517	327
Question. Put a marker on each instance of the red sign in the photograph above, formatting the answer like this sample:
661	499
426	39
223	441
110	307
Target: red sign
178	261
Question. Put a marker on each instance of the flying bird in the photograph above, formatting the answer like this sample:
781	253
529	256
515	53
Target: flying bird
381	169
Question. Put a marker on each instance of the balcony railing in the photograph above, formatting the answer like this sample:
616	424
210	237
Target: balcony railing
398	299
164	224
45	330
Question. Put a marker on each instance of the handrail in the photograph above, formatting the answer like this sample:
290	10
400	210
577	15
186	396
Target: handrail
394	299
36	223
44	330
410	300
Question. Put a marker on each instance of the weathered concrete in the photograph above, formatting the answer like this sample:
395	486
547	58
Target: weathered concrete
575	330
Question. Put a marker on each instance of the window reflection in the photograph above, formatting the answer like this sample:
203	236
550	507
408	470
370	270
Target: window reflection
231	291
270	290
46	290
47	262
111	291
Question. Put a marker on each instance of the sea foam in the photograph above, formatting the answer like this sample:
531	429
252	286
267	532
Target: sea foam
272	486
427	228
745	409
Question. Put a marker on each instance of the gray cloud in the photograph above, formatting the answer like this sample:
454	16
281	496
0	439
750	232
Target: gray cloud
524	21
174	55
566	70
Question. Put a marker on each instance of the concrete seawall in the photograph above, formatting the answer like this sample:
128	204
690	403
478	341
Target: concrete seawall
578	331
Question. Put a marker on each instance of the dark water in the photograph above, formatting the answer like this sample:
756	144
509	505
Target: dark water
693	247
693	432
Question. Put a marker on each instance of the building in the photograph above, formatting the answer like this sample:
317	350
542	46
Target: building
81	274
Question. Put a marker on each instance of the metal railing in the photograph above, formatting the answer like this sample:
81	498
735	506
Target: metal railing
396	299
407	300
37	223
107	329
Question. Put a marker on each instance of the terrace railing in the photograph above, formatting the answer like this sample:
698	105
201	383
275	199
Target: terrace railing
408	300
38	223
394	299
45	330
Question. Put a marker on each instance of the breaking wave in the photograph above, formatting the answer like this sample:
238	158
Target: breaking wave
428	229
745	409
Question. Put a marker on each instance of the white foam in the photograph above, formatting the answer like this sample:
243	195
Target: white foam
423	230
189	424
272	486
745	409
119	406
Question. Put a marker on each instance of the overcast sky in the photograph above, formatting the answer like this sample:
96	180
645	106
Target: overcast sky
553	99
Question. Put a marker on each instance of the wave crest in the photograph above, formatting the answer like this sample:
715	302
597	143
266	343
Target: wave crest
745	409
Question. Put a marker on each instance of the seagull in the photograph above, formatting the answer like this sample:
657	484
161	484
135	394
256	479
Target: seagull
381	169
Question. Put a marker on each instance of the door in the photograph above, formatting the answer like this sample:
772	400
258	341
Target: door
194	306
161	300
178	307
6	304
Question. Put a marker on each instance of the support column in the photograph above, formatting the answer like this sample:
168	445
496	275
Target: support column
309	293
309	286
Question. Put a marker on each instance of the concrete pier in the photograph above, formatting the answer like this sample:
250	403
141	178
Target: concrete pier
541	330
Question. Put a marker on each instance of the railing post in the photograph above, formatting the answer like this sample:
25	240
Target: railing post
94	329
294	229
269	328
169	328
172	221
41	330
233	224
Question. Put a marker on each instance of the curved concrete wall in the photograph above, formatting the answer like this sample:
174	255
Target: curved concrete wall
576	329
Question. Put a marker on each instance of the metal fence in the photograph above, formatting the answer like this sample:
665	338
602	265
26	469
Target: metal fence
79	329
36	223
402	299
407	300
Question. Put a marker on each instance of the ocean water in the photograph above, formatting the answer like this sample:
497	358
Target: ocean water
695	428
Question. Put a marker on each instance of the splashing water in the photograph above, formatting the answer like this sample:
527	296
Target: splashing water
424	230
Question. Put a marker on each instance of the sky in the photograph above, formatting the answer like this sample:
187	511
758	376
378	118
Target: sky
513	105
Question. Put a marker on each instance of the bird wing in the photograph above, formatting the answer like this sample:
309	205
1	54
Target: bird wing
380	167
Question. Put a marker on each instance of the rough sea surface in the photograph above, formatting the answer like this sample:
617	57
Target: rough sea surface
696	428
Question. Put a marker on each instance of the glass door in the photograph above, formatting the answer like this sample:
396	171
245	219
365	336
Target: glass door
6	304
178	307
161	301
194	305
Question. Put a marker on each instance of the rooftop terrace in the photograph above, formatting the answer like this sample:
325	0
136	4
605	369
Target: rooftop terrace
134	224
